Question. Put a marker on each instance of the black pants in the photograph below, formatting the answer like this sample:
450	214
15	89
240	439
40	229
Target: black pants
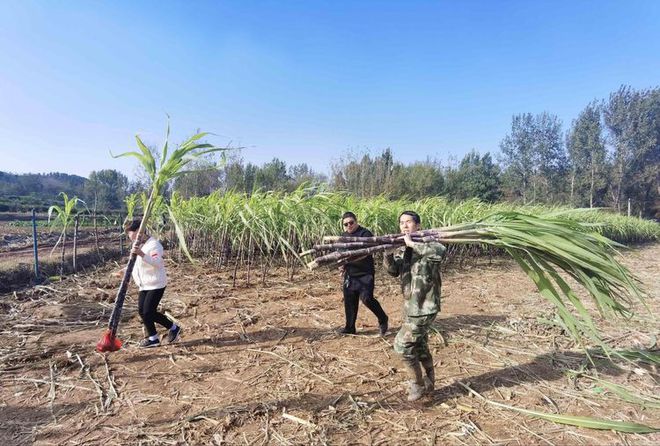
147	307
356	289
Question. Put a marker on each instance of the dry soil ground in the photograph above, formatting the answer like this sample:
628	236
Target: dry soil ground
263	365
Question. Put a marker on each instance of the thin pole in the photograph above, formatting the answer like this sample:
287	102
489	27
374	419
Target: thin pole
121	237
34	243
96	234
75	243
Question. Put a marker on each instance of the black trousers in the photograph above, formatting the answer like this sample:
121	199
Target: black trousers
148	301
358	289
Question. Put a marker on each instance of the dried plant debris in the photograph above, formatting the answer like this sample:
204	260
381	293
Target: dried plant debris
264	365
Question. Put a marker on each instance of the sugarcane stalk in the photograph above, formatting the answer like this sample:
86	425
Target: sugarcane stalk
388	238
353	245
339	255
121	292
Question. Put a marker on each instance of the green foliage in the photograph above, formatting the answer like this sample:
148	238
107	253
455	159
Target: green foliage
106	189
534	159
586	148
633	120
161	172
475	177
24	192
203	179
272	176
303	217
64	214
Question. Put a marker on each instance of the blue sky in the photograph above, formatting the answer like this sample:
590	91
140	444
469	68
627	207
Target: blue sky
304	81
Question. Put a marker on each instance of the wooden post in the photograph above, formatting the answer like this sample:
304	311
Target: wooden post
121	236
96	235
75	243
36	248
63	248
628	207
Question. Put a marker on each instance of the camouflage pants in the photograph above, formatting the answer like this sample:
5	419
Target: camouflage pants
412	340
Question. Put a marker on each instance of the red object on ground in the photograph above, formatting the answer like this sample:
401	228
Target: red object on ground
108	343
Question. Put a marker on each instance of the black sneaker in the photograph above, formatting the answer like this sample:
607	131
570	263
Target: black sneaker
148	343
173	335
383	327
345	331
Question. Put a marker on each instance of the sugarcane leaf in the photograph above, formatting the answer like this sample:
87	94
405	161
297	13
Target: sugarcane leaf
572	420
163	156
179	234
150	162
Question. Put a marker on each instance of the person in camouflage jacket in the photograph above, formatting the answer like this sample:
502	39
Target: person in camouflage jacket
418	267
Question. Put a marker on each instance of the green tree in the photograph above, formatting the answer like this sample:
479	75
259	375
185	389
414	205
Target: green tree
106	189
365	176
633	120
534	158
588	158
476	177
302	173
202	179
272	176
417	180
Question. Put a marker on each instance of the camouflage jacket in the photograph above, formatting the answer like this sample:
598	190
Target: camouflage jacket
420	276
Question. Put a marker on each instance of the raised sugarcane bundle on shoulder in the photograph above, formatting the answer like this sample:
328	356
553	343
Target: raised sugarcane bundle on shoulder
542	246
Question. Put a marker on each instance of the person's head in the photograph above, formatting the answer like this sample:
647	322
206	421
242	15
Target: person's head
349	222
131	227
409	221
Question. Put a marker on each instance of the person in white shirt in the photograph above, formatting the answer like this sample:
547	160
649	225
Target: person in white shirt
151	278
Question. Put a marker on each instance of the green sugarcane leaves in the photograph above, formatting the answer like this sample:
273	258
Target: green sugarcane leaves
168	168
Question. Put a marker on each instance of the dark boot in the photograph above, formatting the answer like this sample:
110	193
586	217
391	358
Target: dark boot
414	370
429	379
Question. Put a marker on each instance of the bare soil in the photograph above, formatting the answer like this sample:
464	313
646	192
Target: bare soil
16	242
263	364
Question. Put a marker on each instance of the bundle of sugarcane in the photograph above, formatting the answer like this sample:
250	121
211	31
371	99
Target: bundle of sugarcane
542	246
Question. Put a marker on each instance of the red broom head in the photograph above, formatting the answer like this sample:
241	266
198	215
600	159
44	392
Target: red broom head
108	343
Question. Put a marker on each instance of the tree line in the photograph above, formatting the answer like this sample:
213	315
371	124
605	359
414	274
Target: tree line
608	157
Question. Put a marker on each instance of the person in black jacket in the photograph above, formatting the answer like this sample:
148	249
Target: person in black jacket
359	281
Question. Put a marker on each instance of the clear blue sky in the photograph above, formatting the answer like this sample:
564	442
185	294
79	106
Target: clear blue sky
304	80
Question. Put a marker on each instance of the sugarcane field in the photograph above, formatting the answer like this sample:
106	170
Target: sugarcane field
260	360
329	223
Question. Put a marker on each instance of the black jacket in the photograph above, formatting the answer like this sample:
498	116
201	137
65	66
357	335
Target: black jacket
364	266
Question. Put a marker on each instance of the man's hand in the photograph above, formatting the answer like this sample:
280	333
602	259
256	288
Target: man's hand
408	240
342	270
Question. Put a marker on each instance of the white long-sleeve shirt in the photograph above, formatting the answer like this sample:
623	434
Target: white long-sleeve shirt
149	271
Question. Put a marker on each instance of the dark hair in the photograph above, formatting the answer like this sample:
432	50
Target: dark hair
415	216
132	225
348	214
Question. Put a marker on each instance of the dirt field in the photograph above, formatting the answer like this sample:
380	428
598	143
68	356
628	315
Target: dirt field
263	365
17	252
16	244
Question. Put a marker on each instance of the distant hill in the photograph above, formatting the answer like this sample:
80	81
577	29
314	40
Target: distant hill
23	192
